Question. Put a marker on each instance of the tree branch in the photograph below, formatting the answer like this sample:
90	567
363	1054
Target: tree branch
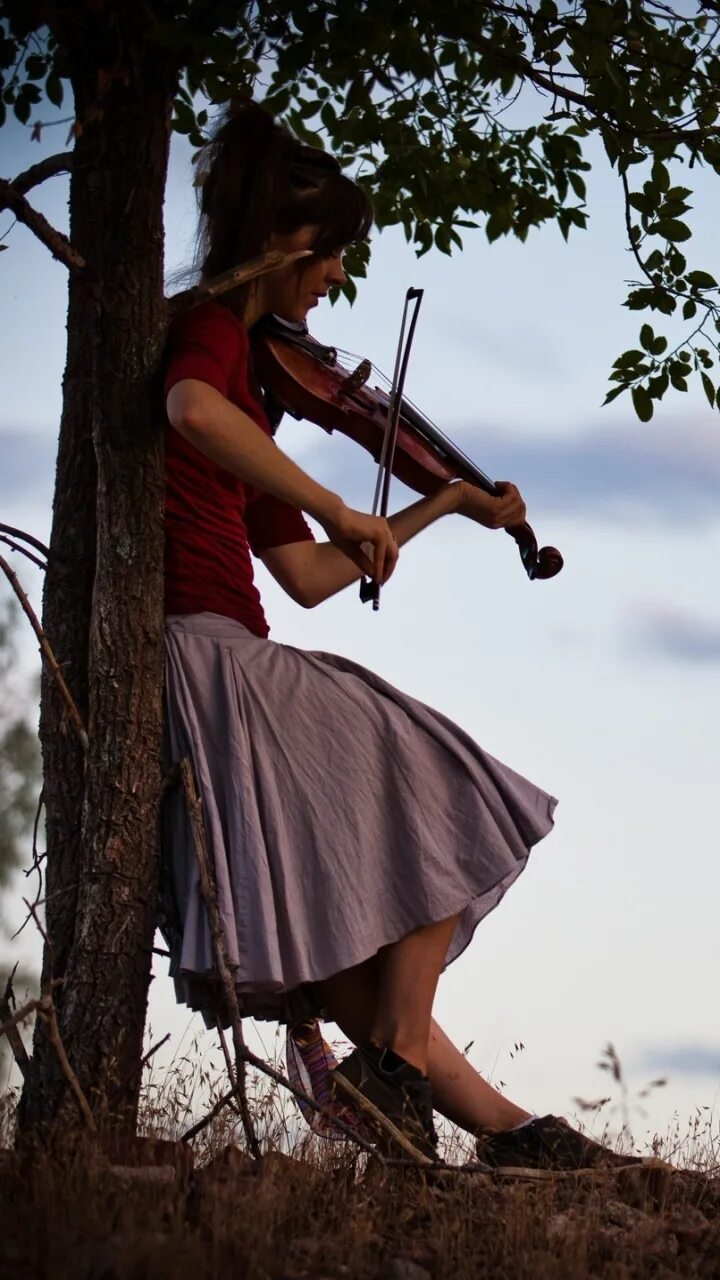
47	652
50	167
525	68
208	891
58	244
20	1053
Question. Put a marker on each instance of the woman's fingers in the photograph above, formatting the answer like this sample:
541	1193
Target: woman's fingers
501	510
511	507
368	541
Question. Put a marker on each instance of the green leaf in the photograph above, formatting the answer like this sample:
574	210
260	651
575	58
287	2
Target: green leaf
672	230
689	309
660	176
701	280
647	338
22	109
709	389
629	358
54	89
613	394
643	403
658	386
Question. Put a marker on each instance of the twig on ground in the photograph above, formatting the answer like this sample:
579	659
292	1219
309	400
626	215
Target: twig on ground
154	1050
48	654
209	894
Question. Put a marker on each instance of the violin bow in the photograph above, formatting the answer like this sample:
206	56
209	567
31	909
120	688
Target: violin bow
273	260
369	589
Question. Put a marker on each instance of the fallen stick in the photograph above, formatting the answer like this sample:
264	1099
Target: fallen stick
245	1055
209	894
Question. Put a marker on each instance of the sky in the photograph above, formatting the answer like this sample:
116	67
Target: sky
602	686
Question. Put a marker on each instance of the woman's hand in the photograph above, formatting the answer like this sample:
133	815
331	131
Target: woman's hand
501	512
367	540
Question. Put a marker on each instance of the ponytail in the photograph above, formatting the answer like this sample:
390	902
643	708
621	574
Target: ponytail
256	178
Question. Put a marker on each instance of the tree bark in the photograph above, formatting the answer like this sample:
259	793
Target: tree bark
104	588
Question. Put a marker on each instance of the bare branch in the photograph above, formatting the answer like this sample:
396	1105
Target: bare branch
23	551
19	1016
25	537
40	172
48	654
7	1003
46	1011
58	244
526	69
207	888
154	1050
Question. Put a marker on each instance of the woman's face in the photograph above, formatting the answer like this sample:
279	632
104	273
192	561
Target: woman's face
294	290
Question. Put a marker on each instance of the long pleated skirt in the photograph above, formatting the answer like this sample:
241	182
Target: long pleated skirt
340	814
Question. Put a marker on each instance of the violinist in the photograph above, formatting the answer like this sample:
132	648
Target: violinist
358	837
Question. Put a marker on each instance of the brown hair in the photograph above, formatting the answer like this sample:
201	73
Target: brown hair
257	178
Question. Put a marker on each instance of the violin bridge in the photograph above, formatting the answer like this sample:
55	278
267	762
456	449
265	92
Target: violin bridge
355	380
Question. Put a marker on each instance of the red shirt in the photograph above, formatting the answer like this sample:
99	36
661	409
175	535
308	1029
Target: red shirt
213	520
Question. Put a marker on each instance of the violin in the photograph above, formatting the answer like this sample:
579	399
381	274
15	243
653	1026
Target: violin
308	380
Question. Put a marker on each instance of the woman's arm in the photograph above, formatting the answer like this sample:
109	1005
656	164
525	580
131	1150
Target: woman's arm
231	439
311	572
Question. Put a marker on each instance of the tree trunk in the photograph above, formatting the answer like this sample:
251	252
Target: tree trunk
104	589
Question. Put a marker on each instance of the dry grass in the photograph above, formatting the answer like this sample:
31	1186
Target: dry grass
319	1210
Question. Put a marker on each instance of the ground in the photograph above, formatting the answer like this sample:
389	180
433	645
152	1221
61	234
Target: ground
150	1211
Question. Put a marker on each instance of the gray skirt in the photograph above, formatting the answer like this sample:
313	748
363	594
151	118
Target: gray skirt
340	815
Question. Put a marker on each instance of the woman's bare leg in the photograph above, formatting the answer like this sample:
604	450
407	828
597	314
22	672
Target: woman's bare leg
459	1092
407	978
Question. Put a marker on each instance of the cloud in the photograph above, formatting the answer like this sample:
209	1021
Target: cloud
677	634
640	474
27	466
632	475
637	473
687	1059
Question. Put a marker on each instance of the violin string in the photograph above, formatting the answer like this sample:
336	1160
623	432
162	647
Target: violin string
378	373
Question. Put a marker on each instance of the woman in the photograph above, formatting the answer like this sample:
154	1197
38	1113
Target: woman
358	837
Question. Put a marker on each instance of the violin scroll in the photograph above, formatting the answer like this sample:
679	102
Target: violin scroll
538	562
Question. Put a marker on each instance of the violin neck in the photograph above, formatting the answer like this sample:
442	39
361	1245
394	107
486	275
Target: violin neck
468	469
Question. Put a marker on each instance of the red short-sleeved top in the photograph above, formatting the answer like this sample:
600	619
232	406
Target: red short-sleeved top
213	520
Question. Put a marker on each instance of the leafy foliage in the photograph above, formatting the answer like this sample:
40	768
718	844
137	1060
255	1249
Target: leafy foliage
461	115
